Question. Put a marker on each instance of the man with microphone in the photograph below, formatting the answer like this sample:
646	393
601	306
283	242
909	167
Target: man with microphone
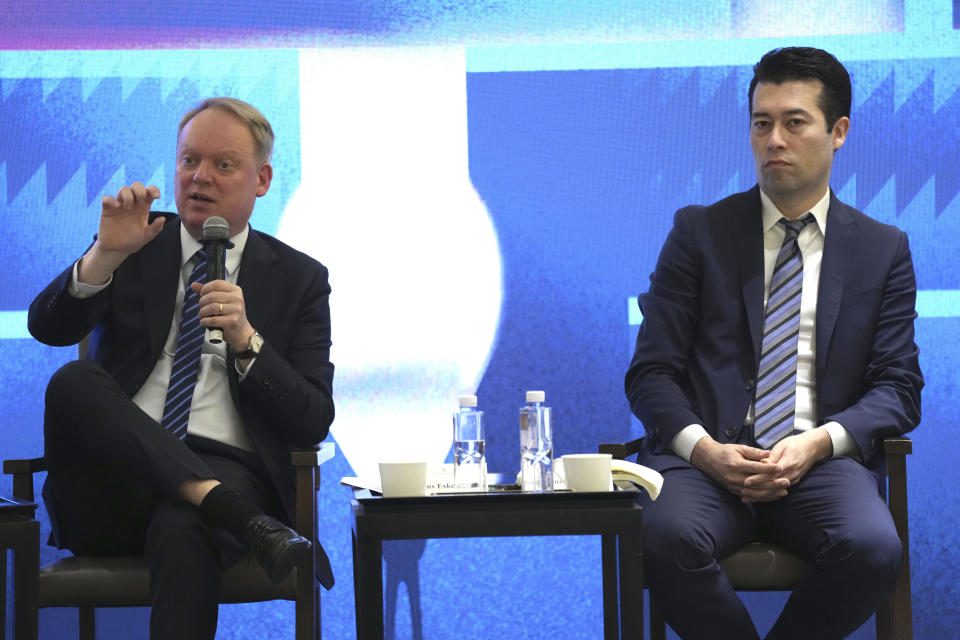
164	442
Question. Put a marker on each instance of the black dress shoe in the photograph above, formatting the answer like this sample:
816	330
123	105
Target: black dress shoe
277	547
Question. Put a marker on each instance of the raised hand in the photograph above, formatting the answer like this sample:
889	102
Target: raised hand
123	219
124	230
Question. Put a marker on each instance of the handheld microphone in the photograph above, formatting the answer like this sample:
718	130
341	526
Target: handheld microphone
215	241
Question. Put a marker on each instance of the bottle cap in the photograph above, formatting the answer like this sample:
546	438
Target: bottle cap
468	401
536	396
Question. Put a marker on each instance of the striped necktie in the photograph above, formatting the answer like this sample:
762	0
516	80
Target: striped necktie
186	360
776	397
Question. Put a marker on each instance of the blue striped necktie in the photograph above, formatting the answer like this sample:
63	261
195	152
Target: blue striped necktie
186	361
776	398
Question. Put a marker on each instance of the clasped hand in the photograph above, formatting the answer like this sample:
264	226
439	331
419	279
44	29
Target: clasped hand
758	475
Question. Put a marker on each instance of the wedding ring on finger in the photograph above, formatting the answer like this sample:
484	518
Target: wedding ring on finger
220	313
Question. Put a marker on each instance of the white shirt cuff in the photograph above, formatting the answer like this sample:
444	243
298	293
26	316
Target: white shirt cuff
78	289
843	442
243	374
684	442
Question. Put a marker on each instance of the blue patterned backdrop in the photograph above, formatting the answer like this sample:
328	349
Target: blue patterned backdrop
585	132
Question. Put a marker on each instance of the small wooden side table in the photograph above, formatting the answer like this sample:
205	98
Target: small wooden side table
614	516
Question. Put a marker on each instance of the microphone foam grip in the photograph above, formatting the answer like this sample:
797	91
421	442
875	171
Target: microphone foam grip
216	228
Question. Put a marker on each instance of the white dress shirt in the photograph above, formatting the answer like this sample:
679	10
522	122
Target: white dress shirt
212	412
810	242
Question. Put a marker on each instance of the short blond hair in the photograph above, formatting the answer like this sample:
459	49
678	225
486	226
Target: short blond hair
248	114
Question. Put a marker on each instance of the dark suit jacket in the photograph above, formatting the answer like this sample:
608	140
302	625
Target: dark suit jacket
286	399
698	347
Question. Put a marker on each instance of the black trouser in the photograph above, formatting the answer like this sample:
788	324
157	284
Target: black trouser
111	489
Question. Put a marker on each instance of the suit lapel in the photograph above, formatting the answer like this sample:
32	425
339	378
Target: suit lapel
747	226
838	247
159	264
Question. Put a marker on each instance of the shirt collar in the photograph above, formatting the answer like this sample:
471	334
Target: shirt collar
190	245
772	215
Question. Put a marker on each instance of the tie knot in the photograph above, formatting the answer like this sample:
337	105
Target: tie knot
793	228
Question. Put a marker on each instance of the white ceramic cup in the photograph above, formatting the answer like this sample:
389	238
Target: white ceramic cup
587	471
403	479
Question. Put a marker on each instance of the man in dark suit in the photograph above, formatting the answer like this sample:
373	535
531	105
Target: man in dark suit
196	480
776	350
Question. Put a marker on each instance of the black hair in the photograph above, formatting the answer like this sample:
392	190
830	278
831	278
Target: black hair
806	63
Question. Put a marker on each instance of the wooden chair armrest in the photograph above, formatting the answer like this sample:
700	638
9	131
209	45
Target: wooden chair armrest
31	465
22	472
897	446
306	462
313	456
621	450
896	450
897	617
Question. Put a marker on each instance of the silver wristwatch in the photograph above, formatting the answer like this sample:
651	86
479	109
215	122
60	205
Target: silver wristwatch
253	348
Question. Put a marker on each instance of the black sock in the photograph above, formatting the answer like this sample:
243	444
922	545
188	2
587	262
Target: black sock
224	507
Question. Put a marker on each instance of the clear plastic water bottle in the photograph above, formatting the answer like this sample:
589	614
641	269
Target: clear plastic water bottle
469	447
536	444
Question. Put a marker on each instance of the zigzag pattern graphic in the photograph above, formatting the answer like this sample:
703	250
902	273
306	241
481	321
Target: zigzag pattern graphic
70	138
907	138
913	142
103	132
102	129
899	163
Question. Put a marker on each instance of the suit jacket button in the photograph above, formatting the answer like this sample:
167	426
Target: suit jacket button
750	384
730	432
